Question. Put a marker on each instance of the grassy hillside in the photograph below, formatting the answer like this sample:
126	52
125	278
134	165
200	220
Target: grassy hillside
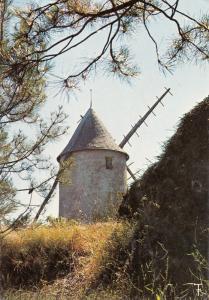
61	260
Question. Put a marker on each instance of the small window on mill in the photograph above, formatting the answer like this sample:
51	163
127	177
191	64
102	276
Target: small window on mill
108	162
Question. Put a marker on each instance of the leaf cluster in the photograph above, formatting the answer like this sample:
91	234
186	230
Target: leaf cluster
24	132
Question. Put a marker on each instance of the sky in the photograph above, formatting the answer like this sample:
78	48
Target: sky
119	104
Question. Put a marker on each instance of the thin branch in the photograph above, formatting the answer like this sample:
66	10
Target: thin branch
14	224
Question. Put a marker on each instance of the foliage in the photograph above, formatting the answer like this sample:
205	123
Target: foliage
24	132
171	201
39	26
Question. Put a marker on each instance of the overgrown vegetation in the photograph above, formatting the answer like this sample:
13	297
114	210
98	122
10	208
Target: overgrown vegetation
72	254
98	262
171	202
95	261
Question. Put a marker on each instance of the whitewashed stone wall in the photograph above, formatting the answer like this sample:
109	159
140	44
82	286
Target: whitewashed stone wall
92	191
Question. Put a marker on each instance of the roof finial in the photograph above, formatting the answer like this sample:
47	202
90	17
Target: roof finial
90	98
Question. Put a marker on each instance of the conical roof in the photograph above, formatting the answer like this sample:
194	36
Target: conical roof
90	135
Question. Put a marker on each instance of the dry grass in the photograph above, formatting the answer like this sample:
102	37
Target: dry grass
58	261
100	263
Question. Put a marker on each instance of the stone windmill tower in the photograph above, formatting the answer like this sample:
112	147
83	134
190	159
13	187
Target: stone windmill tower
96	176
97	172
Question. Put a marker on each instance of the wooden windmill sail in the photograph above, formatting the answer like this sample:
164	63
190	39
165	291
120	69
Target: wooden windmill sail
139	123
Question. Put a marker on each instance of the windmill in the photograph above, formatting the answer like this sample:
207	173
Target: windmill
92	137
